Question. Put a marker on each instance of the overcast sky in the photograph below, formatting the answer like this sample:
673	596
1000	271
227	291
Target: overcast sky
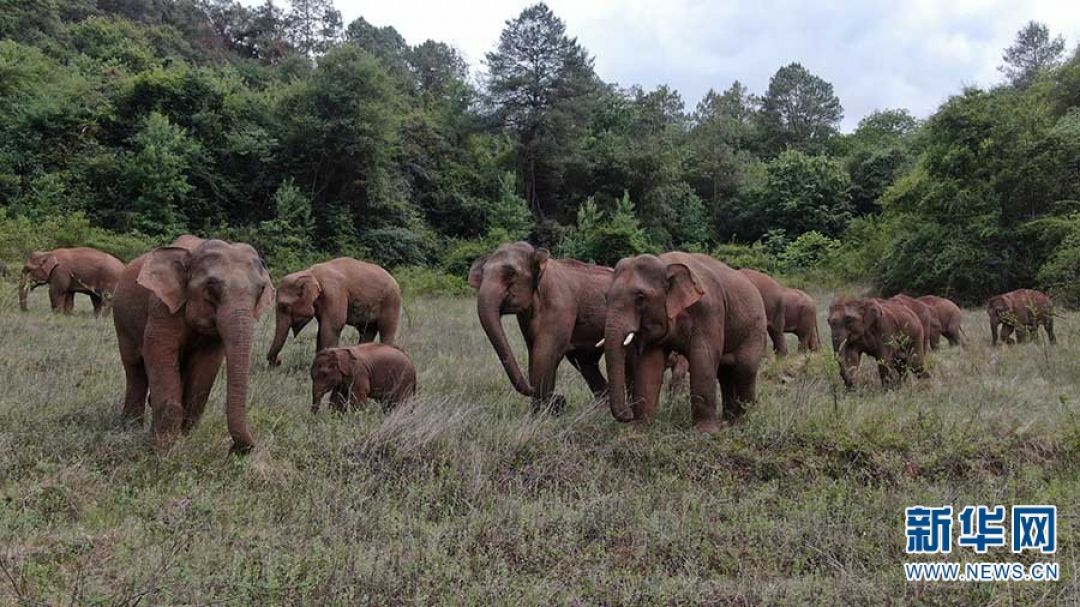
876	53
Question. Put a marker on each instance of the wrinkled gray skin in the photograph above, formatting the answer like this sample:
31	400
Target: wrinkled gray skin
559	304
179	312
1022	311
355	374
68	271
695	306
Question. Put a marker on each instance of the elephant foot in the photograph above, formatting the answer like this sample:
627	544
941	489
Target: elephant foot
241	448
554	405
707	426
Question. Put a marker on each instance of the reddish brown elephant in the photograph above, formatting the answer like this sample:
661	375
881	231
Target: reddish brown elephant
358	373
680	372
559	304
1022	311
884	329
696	306
786	311
339	292
71	271
927	316
950	318
179	312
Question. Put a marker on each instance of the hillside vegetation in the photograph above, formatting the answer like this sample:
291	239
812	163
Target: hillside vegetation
282	126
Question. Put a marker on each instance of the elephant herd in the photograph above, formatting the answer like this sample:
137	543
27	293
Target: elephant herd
181	311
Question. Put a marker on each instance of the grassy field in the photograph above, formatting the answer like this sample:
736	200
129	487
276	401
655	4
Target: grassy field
464	498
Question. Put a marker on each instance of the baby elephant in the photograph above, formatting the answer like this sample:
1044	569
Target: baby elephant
354	374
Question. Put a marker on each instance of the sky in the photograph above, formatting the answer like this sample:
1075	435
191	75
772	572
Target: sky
877	53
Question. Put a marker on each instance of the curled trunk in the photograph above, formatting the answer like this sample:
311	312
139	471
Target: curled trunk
615	355
236	331
487	306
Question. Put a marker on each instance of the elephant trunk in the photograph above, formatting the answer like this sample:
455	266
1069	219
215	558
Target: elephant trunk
236	327
318	390
615	343
24	290
281	332
488	303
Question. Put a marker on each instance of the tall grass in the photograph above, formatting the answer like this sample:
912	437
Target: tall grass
462	497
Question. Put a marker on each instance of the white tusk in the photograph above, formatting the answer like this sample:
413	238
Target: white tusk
629	338
600	344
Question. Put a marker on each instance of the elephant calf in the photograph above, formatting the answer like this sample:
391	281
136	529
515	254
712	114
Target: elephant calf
357	373
71	271
1022	310
884	329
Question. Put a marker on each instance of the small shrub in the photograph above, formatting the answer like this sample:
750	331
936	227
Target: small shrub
416	281
755	256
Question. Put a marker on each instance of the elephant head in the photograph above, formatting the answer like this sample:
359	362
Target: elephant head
644	302
853	323
506	282
37	269
217	289
331	368
296	298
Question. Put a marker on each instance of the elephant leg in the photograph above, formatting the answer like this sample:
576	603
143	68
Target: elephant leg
1048	324
200	371
368	333
544	359
135	393
885	372
97	302
849	365
166	389
648	379
703	380
359	392
588	365
69	303
1006	334
329	334
388	323
776	334
57	298
738	388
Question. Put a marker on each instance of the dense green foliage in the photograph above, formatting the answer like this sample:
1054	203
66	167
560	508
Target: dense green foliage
285	127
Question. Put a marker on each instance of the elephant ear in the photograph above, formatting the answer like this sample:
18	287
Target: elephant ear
48	264
310	288
266	299
683	290
476	272
344	359
165	273
872	314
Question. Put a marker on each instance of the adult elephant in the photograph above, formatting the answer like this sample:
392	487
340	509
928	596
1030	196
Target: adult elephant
786	311
950	318
800	318
559	304
927	316
772	295
339	292
180	311
696	306
884	329
1022	310
70	271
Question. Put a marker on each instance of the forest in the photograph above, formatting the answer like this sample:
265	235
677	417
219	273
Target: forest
124	123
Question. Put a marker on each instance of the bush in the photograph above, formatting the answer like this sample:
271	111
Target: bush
417	280
606	240
20	235
755	256
810	251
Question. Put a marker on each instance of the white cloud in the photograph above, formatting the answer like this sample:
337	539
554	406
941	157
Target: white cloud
879	53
